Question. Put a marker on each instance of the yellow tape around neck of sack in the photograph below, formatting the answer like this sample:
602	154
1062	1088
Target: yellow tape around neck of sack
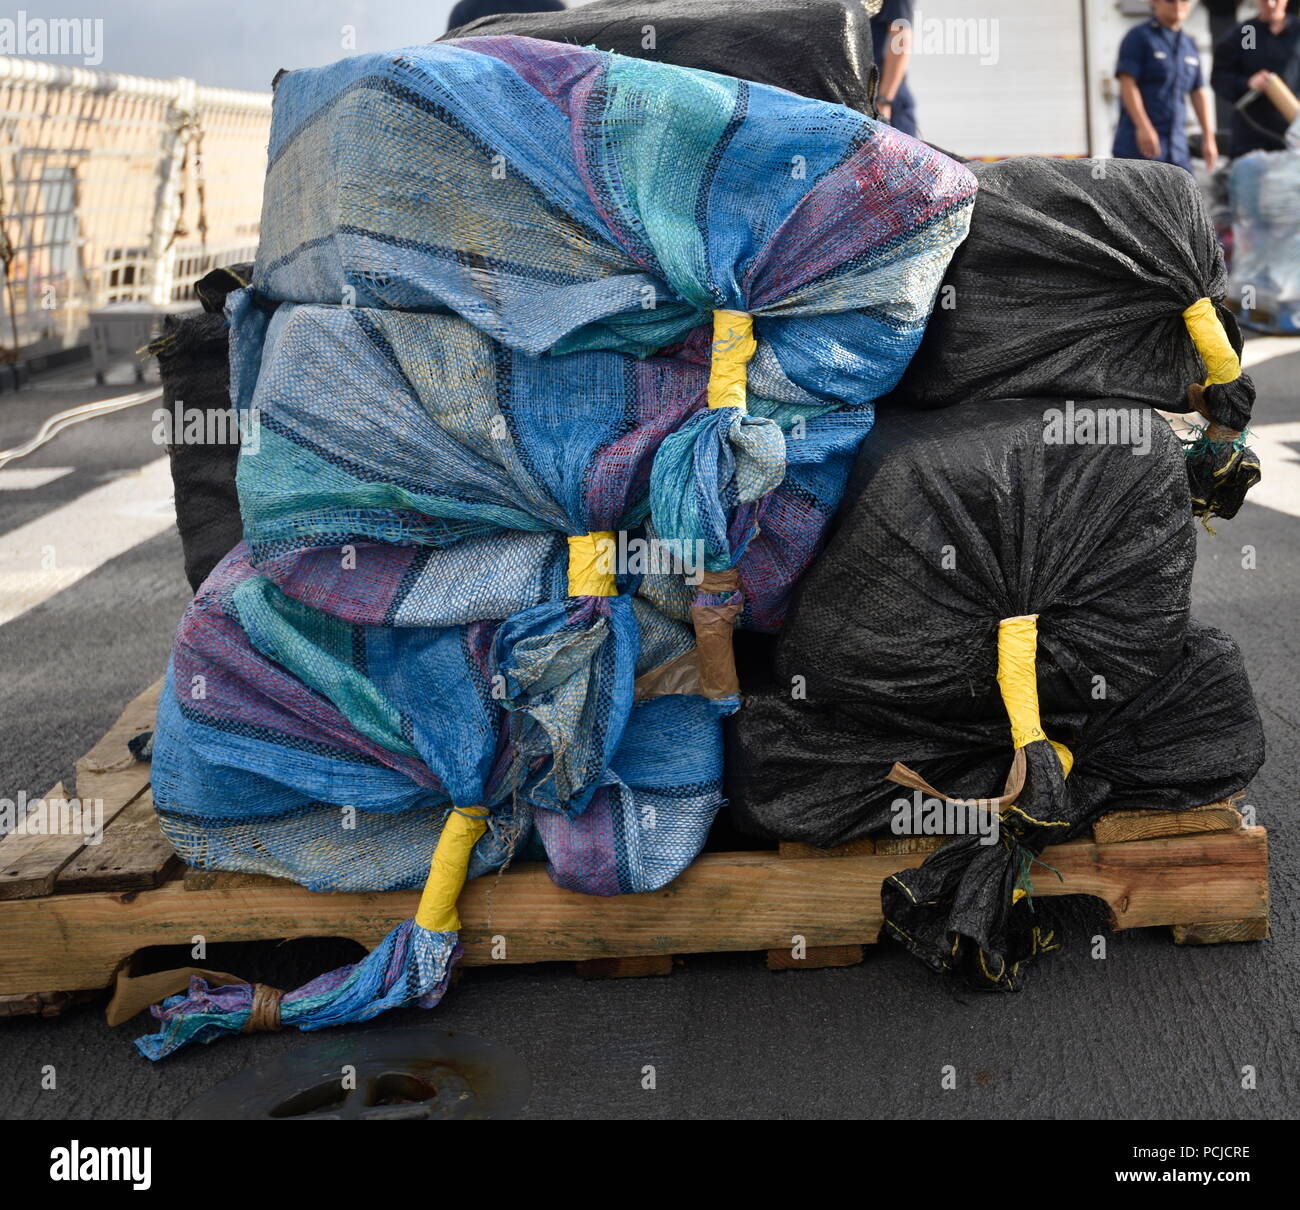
1018	680
449	869
733	346
591	564
1206	330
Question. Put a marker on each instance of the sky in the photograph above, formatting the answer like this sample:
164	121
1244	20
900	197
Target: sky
241	43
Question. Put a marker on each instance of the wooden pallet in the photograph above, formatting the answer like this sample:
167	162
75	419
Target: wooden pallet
72	915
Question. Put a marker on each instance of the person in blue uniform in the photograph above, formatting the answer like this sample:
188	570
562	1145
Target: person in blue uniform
1159	70
1270	43
891	45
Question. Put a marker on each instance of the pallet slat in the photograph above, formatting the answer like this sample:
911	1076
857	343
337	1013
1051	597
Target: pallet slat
749	901
108	770
1218	933
1151	825
30	865
42	1004
134	855
896	845
818	957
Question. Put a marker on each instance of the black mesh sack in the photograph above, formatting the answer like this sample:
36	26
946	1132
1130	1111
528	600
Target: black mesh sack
822	774
465	11
1074	282
194	364
817	48
953	520
817	772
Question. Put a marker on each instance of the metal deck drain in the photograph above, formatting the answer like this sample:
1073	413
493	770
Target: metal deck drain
402	1075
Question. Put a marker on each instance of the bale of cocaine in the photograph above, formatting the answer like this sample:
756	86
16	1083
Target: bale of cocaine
999	626
817	48
449	369
194	365
1095	279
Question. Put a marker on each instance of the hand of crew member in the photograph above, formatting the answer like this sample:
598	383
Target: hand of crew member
1259	81
1148	142
886	110
1209	151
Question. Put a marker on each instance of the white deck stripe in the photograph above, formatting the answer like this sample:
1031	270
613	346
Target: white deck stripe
24	478
1279	465
1264	348
53	552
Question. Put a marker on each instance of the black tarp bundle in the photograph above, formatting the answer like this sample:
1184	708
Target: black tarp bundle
465	11
953	520
193	362
818	773
817	48
1073	282
956	526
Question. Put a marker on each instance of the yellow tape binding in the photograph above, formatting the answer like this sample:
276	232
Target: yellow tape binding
1206	330
733	346
1018	680
591	565
1064	755
437	910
